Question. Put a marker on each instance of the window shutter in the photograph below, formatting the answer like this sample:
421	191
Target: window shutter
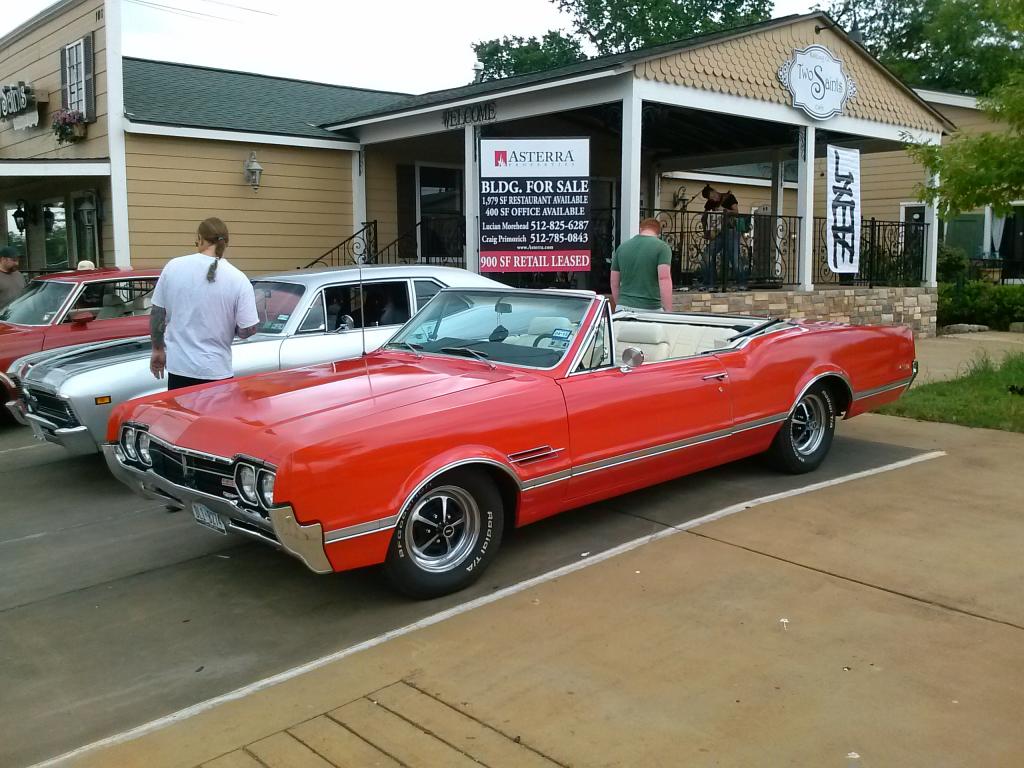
64	78
90	85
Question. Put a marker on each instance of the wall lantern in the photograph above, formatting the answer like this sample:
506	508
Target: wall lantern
854	35
48	218
19	215
253	171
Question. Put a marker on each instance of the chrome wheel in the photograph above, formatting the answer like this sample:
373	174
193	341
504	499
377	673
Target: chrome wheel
807	425
443	529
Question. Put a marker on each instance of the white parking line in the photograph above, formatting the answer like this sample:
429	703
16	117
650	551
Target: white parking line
22	448
437	618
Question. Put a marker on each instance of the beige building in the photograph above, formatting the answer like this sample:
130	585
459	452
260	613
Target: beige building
306	172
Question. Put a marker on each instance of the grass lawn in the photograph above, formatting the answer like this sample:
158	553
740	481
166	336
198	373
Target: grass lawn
980	398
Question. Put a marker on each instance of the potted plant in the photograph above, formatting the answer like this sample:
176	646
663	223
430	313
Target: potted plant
68	126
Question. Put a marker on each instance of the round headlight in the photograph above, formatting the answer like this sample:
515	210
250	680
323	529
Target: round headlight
142	445
128	443
267	488
245	483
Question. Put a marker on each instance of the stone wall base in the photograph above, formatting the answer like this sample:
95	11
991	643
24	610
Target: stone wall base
913	307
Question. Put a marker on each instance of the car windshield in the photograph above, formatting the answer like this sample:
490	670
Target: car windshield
519	328
38	305
275	303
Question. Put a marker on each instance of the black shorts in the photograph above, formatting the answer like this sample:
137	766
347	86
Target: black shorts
174	381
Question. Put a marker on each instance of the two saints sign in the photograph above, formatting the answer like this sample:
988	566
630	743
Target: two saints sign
842	222
817	82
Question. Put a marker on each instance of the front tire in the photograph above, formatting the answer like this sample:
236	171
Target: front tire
806	436
447	536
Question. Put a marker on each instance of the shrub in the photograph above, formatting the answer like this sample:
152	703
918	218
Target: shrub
952	263
981	302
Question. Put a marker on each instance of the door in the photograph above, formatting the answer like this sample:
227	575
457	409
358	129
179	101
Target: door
632	429
122	310
344	318
442	221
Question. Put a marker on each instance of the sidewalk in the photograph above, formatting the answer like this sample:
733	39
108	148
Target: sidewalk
946	357
874	623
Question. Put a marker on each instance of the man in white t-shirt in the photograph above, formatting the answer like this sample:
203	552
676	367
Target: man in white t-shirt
200	304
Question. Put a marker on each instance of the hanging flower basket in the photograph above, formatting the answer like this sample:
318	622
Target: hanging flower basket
68	126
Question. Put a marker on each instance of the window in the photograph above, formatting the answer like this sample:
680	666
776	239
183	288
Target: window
315	319
74	75
275	303
425	291
116	298
599	352
377	304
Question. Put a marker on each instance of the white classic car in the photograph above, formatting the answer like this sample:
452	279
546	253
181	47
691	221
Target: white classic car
306	317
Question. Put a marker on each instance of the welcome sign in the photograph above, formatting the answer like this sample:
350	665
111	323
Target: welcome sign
534	205
842	224
816	82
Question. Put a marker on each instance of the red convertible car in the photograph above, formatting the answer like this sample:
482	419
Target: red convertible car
492	409
69	308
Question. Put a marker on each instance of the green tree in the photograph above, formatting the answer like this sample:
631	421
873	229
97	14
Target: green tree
519	55
966	46
987	168
614	26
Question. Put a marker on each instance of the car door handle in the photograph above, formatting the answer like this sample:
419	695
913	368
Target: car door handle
719	376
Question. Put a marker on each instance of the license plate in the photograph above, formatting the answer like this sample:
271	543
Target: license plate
206	516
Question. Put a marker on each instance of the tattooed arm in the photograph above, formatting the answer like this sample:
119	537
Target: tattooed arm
245	333
157	327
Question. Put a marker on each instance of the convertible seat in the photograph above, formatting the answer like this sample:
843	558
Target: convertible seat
142	305
538	327
650	338
688	340
113	306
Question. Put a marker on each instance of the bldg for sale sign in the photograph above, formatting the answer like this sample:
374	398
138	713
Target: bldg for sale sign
534	205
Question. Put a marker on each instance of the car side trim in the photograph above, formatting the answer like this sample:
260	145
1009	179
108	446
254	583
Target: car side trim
866	393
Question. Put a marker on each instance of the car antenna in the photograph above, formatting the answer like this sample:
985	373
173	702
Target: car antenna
362	304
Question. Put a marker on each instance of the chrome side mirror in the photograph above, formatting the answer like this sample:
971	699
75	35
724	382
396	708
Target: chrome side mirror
345	323
631	358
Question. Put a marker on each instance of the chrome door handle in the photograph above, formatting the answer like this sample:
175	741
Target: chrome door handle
719	376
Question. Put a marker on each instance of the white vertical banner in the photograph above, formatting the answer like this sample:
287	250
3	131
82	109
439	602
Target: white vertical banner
842	220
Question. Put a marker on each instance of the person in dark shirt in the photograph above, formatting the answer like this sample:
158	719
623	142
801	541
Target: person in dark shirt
720	222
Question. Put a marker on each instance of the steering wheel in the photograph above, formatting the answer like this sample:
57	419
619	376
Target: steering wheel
539	339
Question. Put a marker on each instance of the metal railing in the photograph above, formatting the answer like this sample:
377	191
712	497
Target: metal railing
996	270
438	239
359	247
715	250
891	254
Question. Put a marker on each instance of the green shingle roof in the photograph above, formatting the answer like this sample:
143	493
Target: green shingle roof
202	97
595	64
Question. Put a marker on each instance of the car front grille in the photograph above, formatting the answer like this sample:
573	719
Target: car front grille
50	407
188	470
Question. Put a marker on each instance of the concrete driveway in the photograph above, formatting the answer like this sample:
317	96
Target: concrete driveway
876	622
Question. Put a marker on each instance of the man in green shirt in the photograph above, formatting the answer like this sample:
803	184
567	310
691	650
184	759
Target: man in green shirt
641	271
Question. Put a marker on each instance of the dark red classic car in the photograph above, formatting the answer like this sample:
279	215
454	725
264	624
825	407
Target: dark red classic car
69	308
492	409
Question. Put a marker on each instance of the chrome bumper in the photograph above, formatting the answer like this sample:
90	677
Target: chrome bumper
77	440
913	375
306	542
17	409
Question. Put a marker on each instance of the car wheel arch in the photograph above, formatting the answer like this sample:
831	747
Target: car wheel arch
839	387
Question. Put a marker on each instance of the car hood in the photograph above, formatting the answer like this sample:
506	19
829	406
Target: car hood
53	366
270	414
18	340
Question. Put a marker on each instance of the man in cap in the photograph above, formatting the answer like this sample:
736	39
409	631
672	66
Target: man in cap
12	282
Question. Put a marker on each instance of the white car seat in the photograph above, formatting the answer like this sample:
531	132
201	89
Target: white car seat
538	327
142	305
650	338
113	306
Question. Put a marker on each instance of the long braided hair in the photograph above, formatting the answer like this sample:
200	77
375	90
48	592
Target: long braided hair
214	231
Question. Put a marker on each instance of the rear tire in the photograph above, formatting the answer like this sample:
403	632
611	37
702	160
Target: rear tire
805	437
449	533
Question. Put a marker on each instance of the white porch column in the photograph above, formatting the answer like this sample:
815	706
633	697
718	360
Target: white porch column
358	189
472	180
805	208
776	205
987	236
629	195
929	272
118	212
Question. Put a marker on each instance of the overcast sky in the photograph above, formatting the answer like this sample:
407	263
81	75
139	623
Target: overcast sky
401	45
